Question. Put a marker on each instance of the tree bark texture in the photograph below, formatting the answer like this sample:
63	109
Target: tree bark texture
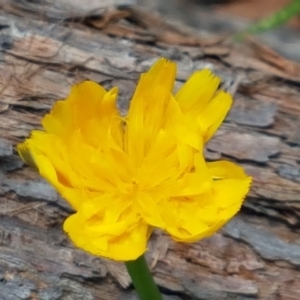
44	49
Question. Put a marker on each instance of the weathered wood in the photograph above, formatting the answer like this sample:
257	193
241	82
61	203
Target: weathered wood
42	52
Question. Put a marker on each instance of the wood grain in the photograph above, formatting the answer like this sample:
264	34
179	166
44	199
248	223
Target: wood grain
43	52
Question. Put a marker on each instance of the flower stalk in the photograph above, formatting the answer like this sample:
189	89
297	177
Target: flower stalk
142	279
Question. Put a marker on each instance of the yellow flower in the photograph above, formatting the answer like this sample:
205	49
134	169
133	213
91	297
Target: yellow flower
126	176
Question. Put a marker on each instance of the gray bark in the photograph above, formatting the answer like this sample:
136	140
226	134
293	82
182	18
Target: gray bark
44	50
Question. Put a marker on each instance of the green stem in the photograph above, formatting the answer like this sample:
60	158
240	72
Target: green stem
142	279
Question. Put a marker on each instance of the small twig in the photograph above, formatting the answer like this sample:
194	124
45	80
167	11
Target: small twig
24	208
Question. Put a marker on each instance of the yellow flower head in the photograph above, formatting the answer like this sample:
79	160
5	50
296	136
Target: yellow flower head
126	176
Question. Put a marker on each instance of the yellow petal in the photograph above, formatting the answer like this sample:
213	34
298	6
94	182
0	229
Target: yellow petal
87	101
214	114
148	207
195	94
193	183
225	170
184	219
105	128
25	154
146	114
54	149
230	192
74	196
108	231
190	136
49	155
188	219
128	245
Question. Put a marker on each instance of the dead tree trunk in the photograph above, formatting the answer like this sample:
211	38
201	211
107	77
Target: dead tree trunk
44	48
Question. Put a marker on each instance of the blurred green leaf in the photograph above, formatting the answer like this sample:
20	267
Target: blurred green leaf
273	21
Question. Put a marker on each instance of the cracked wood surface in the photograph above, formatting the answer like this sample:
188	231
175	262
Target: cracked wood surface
43	52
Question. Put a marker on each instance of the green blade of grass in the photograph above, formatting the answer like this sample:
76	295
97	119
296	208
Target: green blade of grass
280	17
